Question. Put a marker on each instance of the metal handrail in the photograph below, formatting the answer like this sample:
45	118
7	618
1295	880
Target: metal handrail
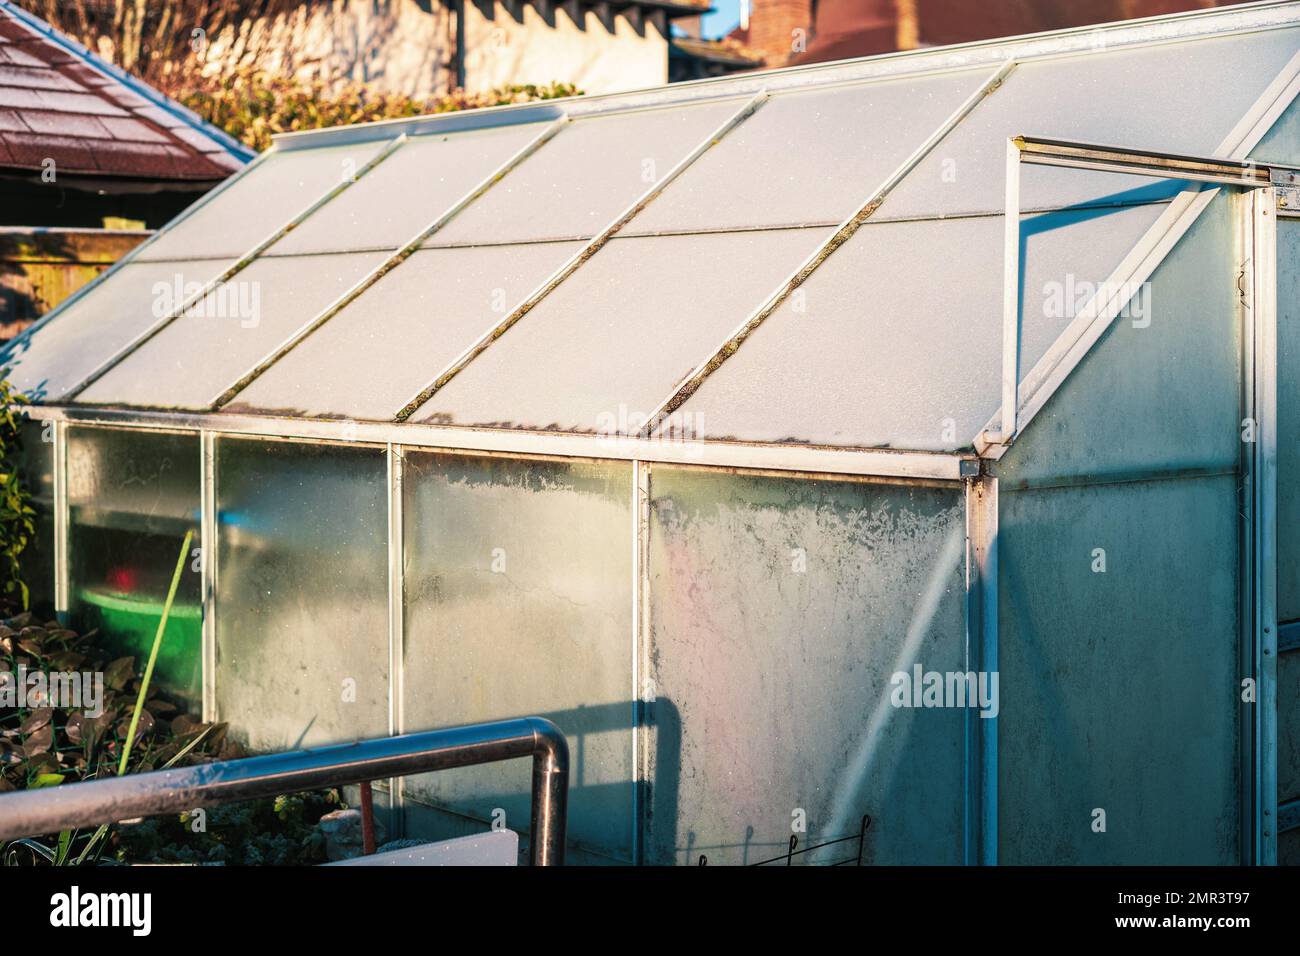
49	810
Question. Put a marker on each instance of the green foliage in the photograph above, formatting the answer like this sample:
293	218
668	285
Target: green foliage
277	832
245	88
252	105
17	516
46	746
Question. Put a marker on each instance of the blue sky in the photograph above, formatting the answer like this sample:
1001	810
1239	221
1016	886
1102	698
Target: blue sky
723	19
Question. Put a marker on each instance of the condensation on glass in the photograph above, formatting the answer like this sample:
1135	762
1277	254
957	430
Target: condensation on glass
87	333
191	362
403	331
518	603
302	592
608	345
780	609
263	201
895	341
132	496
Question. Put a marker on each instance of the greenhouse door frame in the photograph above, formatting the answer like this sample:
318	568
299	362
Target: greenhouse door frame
1258	187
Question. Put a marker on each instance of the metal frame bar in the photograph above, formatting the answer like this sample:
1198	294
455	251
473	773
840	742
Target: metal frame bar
1077	340
208	541
396	459
35	812
593	246
404	252
1114	159
981	745
230	272
903	466
1263	284
1113	296
61	540
814	261
640	643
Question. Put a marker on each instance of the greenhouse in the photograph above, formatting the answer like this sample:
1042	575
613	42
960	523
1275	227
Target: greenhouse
722	423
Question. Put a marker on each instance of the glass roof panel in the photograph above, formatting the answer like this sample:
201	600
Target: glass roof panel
590	172
606	346
260	202
87	333
407	191
808	157
1177	97
402	332
197	357
899	344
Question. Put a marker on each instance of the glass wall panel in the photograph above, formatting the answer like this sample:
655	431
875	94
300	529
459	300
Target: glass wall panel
302	592
35	461
780	611
1288	726
132	495
519	603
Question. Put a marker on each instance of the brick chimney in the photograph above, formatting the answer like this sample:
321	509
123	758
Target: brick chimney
779	29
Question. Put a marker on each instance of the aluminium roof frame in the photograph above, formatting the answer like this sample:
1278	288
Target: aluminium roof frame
1041	382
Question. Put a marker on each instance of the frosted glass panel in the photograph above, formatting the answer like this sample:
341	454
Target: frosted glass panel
132	495
302	592
35	460
602	350
519	603
198	356
898	339
403	331
1288	420
584	177
407	191
265	199
80	338
1179	98
808	157
780	609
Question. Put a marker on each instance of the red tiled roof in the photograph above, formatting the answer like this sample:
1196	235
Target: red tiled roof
54	105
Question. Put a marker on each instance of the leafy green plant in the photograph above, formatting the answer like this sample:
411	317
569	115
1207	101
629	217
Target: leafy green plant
17	516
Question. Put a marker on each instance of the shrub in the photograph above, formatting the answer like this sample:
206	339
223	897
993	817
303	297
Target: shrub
17	516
